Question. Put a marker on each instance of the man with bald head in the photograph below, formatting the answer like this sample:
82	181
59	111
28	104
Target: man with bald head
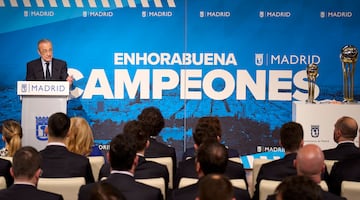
345	131
309	162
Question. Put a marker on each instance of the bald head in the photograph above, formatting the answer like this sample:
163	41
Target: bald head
310	162
346	129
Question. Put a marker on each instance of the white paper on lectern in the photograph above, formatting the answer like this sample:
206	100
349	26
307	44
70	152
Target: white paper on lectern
40	99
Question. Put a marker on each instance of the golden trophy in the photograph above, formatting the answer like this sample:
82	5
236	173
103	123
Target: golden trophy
312	72
349	55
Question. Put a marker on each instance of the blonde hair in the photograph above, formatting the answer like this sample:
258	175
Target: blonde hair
12	134
80	137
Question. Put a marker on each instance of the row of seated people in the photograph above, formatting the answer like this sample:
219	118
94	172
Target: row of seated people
341	127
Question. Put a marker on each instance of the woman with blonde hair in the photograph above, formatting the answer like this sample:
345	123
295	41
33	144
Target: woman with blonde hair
11	135
80	138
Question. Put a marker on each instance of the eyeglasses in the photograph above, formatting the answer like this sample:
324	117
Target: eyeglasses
43	51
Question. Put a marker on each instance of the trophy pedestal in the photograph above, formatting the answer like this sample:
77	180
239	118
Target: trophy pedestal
318	120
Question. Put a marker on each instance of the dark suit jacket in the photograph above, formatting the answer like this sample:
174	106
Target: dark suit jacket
22	191
58	162
191	191
5	166
35	71
144	169
341	151
275	170
127	185
187	169
158	149
343	170
325	196
190	152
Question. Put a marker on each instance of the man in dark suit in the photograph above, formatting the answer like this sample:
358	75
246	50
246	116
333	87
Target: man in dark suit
309	162
344	170
57	161
26	171
215	122
153	122
144	169
211	158
206	131
291	139
5	166
123	160
345	132
46	67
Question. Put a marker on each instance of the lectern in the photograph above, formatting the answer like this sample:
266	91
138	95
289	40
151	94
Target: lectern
40	99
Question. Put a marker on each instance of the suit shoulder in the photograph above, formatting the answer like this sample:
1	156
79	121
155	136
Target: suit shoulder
58	60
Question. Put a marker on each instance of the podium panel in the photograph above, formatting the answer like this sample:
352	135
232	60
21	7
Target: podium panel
318	121
40	99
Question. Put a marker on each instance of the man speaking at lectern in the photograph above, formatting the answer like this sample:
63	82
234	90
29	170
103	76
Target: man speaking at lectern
47	68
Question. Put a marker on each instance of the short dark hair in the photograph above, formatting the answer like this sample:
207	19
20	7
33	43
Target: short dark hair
105	191
298	188
212	156
215	187
204	130
152	119
213	122
122	152
58	125
134	129
291	135
26	162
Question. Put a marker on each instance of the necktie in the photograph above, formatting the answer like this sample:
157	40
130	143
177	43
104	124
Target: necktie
48	76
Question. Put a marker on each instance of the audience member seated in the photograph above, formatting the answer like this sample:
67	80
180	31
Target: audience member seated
5	166
297	188
202	132
11	134
215	122
105	191
153	122
123	160
144	168
57	161
80	138
215	187
26	172
310	162
211	158
344	170
345	132
291	139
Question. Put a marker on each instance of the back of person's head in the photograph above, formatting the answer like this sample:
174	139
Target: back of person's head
291	136
310	162
212	157
152	119
205	129
122	152
213	123
80	138
58	125
134	129
12	133
348	128
105	191
26	162
215	187
298	188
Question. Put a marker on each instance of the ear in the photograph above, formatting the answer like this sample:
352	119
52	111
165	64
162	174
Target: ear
38	173
147	144
295	163
136	161
301	143
218	138
196	146
197	167
46	130
12	171
108	156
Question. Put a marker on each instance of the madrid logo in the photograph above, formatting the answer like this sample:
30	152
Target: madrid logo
41	123
259	59
315	132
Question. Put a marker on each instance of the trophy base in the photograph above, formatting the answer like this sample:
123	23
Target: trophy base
310	101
